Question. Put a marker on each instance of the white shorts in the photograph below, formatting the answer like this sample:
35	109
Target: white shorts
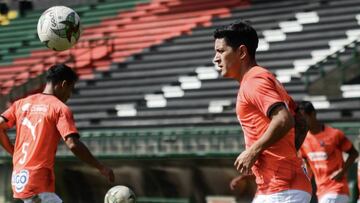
45	197
286	196
334	198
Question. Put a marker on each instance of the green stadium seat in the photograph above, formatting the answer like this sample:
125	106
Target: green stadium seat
10	45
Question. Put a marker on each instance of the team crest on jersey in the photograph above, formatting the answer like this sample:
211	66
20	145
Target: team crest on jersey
322	143
19	180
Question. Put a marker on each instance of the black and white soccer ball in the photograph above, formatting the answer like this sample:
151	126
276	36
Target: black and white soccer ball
59	28
120	194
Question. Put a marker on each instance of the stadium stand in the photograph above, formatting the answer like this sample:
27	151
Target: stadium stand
174	83
145	78
154	92
128	25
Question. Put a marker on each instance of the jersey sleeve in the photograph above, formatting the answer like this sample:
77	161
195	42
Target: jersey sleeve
263	94
65	123
344	143
10	115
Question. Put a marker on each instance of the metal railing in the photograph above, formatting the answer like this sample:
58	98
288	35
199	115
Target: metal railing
183	142
340	65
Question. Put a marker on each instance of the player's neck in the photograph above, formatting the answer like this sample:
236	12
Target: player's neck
249	66
48	89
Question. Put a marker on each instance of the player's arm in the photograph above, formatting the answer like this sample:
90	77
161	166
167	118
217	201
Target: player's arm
82	152
353	154
281	122
301	129
4	138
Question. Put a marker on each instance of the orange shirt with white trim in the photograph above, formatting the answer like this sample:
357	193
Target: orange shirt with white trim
323	151
278	168
41	120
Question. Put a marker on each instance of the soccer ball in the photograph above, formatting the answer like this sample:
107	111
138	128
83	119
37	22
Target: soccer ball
59	28
120	194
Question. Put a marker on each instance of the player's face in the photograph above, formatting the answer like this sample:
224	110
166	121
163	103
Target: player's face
227	59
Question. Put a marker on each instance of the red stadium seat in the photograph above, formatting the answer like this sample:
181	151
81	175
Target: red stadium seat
159	20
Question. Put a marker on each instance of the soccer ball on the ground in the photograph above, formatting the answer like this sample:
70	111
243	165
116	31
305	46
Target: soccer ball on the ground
59	28
120	194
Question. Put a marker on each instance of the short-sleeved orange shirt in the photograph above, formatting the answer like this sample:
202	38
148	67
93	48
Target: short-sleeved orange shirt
358	178
278	168
41	121
323	151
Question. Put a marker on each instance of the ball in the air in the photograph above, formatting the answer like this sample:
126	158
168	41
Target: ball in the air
59	28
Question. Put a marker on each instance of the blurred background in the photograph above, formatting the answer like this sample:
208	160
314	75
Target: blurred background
150	103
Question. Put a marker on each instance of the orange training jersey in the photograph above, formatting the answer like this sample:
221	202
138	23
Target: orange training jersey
41	120
358	177
278	168
323	151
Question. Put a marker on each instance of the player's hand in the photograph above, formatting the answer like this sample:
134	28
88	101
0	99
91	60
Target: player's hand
245	161
108	173
337	175
236	181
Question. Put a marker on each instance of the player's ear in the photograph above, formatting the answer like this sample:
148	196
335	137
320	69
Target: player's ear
242	51
64	83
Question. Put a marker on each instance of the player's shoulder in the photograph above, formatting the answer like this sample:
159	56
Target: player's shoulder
259	73
335	132
258	77
56	104
61	106
25	100
332	129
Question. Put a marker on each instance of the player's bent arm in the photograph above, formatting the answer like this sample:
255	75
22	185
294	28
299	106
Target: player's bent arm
353	154
4	138
82	152
281	123
339	174
301	129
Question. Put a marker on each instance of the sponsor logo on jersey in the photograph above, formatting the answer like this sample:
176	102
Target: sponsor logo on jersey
317	156
19	180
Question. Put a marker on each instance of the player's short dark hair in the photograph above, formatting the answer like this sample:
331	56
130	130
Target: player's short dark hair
306	106
61	72
239	33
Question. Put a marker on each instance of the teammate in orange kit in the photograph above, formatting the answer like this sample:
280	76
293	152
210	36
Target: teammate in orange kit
358	180
41	120
322	149
266	113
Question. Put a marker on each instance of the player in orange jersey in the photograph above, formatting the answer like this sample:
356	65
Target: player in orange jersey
358	180
322	149
266	113
41	120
